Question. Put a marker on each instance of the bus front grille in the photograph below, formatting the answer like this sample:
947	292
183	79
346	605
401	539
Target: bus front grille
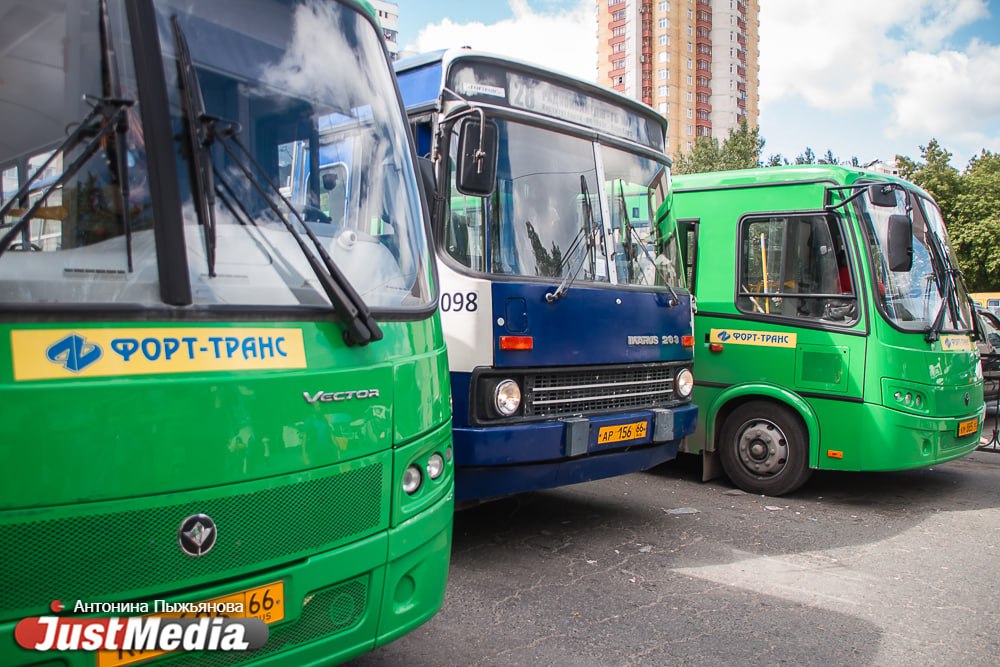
86	552
598	390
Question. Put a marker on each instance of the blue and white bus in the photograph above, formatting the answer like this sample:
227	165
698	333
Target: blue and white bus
568	325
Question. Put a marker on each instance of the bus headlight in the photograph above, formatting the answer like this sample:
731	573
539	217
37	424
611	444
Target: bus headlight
684	383
435	466
412	479
507	397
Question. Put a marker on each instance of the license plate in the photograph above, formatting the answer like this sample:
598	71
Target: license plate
622	432
264	602
968	427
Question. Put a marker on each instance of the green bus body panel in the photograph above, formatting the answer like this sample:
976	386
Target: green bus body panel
840	380
182	431
302	481
715	399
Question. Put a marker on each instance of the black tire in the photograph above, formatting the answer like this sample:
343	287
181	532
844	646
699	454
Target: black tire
764	448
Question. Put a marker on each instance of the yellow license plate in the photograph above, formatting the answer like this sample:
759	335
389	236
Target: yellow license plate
264	602
622	432
968	427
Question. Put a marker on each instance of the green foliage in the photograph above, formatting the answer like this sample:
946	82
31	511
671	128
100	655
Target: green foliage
806	158
828	158
740	150
975	226
934	174
970	204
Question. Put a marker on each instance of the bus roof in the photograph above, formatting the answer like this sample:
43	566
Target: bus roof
785	175
422	77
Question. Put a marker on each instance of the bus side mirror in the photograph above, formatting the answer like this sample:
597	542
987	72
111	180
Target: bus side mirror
476	171
900	243
882	195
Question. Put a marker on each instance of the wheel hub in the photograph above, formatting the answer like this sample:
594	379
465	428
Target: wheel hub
762	447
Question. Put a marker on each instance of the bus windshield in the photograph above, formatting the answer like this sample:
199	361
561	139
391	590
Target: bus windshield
911	299
265	80
545	218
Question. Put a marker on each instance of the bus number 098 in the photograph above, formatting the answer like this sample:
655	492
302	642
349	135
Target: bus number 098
459	301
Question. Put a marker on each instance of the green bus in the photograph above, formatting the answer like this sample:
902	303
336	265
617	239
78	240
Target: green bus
207	394
833	326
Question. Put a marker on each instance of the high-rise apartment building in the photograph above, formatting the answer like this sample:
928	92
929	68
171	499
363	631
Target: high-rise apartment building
388	18
695	61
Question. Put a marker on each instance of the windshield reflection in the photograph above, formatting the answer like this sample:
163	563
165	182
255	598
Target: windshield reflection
546	217
912	299
301	85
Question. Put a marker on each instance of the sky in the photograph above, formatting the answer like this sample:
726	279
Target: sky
863	78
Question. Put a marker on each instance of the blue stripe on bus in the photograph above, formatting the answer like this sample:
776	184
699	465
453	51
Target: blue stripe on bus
588	326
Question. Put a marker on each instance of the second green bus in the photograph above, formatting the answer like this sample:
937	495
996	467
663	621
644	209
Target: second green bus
834	330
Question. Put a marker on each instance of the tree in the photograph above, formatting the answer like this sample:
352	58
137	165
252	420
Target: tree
740	150
935	174
975	225
776	160
806	158
705	155
828	158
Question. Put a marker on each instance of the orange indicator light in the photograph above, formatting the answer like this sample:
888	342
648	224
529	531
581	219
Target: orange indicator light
516	342
687	341
835	454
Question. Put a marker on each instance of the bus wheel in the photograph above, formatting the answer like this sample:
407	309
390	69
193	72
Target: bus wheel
764	449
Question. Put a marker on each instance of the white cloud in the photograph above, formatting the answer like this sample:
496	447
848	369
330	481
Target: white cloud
890	57
829	54
949	93
935	21
564	40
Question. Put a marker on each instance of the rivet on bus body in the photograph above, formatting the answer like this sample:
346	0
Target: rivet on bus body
618	301
500	321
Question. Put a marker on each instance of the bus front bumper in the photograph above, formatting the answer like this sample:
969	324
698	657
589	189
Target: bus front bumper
335	606
907	441
500	460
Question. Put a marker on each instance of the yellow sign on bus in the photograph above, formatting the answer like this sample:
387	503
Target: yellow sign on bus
58	354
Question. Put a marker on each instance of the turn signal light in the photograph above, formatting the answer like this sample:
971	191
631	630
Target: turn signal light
715	347
687	341
516	342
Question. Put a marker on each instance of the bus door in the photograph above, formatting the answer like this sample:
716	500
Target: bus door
800	327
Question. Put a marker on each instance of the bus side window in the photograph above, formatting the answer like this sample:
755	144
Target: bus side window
688	229
795	266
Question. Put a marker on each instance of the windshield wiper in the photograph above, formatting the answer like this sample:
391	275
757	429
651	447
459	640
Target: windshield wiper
107	116
949	302
360	327
634	235
198	128
589	225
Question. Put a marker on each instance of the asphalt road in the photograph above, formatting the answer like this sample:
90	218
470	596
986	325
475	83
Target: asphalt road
659	568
